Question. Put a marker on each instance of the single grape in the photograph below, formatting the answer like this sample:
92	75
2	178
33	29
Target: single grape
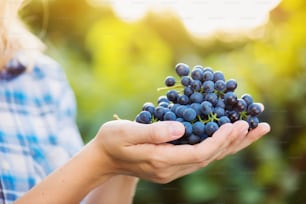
162	99
254	109
247	98
220	103
208	75
179	111
144	117
197	74
148	106
218	76
231	85
196	85
206	107
185	80
230	98
189	114
188	128
212	98
208	86
169	115
196	107
233	116
172	95
164	104
196	97
223	120
193	139
253	122
182	69
220	85
219	111
241	105
159	112
211	128
198	128
170	81
188	91
183	99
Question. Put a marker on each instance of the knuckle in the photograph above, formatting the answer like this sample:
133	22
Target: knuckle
156	162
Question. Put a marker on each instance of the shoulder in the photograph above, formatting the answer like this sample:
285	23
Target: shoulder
44	66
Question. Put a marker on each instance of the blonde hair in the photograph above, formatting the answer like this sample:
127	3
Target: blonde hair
14	36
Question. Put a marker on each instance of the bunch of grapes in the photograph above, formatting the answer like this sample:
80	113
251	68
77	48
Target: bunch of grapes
202	101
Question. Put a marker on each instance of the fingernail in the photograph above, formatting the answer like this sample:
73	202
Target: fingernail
176	129
266	127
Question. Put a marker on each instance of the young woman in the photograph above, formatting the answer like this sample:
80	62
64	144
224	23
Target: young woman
42	158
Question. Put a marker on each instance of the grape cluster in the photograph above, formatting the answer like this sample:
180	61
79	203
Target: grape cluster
202	101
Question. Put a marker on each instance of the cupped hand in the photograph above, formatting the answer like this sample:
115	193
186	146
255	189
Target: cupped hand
142	150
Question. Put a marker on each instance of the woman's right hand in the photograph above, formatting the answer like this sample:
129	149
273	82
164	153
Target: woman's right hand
141	150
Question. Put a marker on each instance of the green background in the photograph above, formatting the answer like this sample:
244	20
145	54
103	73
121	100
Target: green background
115	66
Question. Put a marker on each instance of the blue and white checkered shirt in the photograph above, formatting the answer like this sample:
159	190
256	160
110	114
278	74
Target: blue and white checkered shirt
38	132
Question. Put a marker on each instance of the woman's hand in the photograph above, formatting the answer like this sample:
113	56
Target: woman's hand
141	150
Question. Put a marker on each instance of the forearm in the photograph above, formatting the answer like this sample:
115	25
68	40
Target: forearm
73	181
117	190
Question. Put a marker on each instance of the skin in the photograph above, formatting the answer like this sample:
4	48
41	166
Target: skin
123	151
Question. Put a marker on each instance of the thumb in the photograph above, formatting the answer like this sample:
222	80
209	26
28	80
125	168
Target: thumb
157	133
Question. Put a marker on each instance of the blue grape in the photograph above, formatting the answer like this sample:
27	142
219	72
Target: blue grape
189	114
188	128
198	128
169	115
254	109
159	112
241	105
231	85
206	107
144	117
196	97
220	85
218	76
188	91
197	74
194	139
148	106
185	80
162	99
196	107
208	86
212	98
253	122
182	69
208	75
172	95
196	85
211	128
230	98
169	81
223	120
219	111
183	99
247	98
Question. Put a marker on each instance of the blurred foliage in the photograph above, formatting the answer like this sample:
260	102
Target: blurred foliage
115	66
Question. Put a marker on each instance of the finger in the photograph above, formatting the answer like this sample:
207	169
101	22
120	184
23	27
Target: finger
254	135
157	133
203	151
132	133
240	130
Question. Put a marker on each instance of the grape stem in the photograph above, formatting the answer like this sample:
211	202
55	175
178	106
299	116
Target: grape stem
168	88
116	117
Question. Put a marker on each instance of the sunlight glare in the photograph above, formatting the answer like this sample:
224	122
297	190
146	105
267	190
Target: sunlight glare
201	17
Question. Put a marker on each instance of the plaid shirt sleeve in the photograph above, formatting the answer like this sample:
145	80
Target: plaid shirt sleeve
38	132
